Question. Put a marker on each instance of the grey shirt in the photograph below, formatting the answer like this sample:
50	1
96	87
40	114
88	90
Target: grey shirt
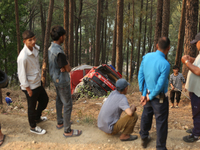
176	81
111	110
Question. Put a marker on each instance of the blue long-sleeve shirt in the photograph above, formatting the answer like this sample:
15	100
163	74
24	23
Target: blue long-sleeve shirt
153	74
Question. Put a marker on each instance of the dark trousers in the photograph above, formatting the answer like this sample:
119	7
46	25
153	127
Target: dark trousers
161	111
40	96
195	102
172	95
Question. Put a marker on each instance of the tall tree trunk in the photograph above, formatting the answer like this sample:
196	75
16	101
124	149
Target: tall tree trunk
66	26
127	51
97	45
139	39
132	44
46	42
17	27
165	18
158	26
150	28
79	59
102	31
192	7
181	34
71	33
104	51
114	42
145	30
42	22
119	38
76	31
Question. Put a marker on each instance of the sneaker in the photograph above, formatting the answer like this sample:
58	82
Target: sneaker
41	119
189	130
190	138
145	141
38	130
177	107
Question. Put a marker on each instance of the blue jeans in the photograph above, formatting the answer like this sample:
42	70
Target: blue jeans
64	98
195	102
161	111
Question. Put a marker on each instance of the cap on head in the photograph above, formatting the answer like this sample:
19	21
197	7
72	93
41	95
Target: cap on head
121	84
197	38
27	34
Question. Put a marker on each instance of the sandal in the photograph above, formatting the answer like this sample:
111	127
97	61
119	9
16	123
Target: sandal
2	140
74	133
59	127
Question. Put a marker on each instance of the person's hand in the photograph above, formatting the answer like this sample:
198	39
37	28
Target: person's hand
185	89
184	58
62	69
143	100
29	91
147	97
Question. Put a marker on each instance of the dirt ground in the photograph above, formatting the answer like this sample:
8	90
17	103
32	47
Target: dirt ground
84	116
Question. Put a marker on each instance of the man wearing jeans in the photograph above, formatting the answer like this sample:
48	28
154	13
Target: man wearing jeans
192	85
59	69
30	79
153	83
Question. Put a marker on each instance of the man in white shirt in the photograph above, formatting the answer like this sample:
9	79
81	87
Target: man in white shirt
192	85
30	79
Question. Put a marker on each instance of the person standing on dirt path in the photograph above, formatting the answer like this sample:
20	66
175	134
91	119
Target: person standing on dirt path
30	81
192	85
176	79
59	69
109	119
153	83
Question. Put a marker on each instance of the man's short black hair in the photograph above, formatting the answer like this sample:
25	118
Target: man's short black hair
8	93
175	67
27	34
57	32
163	43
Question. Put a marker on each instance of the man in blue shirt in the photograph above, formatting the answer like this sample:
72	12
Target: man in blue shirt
153	83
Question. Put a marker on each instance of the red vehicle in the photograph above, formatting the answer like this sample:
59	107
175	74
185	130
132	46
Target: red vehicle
101	79
78	73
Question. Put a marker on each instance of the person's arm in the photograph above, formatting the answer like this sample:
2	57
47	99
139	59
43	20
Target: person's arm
21	65
10	101
141	80
163	78
191	59
171	81
67	67
130	111
194	69
63	63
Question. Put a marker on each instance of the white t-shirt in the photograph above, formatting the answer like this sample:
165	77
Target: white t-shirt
193	81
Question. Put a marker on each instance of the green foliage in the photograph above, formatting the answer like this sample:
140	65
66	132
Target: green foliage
8	42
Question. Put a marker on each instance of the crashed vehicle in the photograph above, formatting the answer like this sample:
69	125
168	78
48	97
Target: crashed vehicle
99	79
